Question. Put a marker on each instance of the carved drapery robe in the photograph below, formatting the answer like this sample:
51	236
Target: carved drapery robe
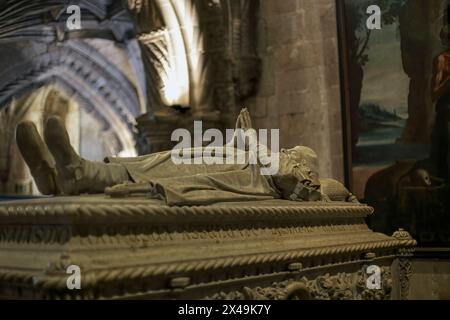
200	184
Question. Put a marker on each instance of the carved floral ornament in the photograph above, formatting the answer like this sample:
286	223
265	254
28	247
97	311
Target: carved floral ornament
342	286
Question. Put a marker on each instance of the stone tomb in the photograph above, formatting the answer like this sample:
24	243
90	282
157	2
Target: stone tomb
140	248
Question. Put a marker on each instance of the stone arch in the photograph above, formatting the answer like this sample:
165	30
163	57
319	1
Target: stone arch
99	67
38	49
82	73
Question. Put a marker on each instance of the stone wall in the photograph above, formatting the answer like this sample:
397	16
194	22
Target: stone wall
299	92
430	279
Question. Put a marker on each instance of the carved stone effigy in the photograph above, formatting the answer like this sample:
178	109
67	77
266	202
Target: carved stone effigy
141	248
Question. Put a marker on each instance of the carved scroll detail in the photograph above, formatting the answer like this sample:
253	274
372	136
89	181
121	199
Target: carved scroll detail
404	263
343	286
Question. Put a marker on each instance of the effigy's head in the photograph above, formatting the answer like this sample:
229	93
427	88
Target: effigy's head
297	165
302	162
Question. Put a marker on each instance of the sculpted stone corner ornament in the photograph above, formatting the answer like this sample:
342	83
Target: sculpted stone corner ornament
219	231
404	263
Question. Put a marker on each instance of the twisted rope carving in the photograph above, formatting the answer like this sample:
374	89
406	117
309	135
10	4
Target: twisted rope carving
148	210
151	211
93	278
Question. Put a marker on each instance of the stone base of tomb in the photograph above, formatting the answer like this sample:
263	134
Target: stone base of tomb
140	248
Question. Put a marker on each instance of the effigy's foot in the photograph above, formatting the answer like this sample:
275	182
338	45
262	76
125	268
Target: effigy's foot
38	158
76	174
68	163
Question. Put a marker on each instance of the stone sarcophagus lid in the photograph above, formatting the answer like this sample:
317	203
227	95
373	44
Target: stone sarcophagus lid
94	247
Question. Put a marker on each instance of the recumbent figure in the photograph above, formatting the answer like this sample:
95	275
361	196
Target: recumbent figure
59	170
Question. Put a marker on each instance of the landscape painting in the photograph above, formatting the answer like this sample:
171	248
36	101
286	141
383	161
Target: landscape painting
390	117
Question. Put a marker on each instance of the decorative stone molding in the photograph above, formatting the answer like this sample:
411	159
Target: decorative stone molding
342	286
404	262
234	244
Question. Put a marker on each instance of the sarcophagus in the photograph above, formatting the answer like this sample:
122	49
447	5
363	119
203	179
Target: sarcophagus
93	247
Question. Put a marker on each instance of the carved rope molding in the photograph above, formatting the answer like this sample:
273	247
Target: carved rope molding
405	270
104	212
168	214
125	235
94	278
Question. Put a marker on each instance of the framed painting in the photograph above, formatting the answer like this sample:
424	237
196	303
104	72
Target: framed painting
395	61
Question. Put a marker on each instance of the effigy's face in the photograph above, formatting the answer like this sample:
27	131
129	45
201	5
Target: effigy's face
297	177
302	163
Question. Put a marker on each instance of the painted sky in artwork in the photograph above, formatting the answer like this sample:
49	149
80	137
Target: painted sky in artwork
385	82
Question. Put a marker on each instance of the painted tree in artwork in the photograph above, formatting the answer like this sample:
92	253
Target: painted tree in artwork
358	38
420	26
